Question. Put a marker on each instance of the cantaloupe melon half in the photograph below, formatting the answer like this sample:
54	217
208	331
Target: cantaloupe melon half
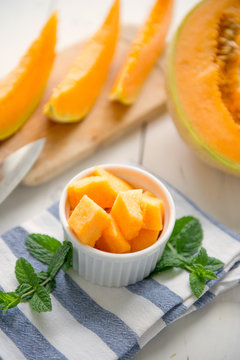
204	47
77	92
22	89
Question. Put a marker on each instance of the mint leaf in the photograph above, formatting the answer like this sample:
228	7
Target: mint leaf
58	259
41	301
25	273
50	285
69	258
8	300
22	289
204	273
42	247
214	264
197	284
169	260
187	235
42	276
201	257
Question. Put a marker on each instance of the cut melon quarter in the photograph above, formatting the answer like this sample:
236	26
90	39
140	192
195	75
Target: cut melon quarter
88	221
127	212
77	92
143	54
96	188
22	89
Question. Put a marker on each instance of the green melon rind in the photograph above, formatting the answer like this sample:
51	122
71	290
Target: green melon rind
184	126
52	114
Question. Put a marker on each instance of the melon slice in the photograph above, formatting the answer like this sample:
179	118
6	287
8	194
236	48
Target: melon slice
88	221
152	213
112	240
203	61
143	54
127	212
22	89
116	183
77	92
95	187
144	239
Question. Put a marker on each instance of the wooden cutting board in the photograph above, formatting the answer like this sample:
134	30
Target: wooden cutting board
67	144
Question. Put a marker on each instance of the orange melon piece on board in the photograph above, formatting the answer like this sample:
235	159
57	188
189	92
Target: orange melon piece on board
88	221
116	183
22	89
96	188
143	54
77	92
152	214
127	212
144	239
112	240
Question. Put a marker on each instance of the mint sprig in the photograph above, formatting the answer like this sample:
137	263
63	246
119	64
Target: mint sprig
36	287
183	250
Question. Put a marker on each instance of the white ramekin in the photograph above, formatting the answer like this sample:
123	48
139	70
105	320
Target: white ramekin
115	270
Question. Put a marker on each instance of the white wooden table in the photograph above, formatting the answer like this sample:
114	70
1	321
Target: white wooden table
211	333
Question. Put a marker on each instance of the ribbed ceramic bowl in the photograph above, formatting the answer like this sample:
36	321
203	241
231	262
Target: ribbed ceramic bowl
115	270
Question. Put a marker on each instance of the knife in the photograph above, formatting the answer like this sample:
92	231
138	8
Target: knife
16	166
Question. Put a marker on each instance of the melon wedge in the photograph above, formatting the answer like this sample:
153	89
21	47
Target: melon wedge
77	92
202	57
22	89
143	54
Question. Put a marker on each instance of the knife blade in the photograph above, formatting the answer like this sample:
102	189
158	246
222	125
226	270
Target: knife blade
16	166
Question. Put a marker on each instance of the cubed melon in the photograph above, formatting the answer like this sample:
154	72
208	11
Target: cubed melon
152	215
112	240
88	221
144	239
127	212
96	188
148	193
116	183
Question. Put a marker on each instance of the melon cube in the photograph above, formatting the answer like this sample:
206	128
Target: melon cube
96	188
116	183
127	212
112	240
88	221
144	239
148	193
152	215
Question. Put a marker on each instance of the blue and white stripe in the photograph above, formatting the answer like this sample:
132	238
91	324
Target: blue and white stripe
89	321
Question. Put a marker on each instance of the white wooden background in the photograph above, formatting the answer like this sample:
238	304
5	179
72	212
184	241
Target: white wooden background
211	333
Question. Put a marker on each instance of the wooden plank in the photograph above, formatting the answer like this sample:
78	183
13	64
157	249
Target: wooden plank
67	144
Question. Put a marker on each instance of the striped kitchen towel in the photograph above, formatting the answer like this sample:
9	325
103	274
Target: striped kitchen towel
93	322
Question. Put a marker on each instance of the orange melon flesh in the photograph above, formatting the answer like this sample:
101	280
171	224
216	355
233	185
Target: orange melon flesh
143	54
77	92
127	212
22	89
152	215
116	183
96	188
144	239
112	240
88	221
195	99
